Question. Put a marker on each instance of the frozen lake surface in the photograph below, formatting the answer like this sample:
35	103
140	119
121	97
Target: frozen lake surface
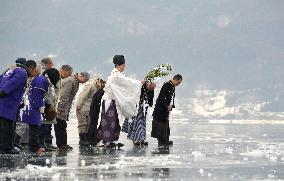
202	150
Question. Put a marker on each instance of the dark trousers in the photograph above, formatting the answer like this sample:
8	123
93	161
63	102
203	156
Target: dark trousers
161	130
7	131
48	139
92	132
60	132
45	137
34	132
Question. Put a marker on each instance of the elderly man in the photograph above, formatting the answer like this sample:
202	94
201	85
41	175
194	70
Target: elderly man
12	85
83	108
69	89
65	71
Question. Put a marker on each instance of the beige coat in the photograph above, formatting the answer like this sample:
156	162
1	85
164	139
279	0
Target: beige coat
69	88
85	97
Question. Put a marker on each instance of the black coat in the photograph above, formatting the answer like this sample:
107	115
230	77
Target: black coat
94	116
161	112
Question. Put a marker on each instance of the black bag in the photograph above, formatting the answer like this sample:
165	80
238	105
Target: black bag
49	113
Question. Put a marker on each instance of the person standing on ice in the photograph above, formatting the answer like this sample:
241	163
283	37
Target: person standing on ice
83	109
69	89
34	108
164	104
53	77
136	127
12	86
119	100
95	114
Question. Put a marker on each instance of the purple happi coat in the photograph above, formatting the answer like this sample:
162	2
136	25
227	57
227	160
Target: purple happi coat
12	82
37	89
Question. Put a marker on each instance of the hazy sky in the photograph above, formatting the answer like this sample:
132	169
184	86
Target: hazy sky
213	43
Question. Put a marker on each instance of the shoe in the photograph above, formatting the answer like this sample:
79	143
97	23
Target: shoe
65	147
145	143
93	142
69	147
100	144
51	147
169	142
165	142
110	145
140	143
137	143
120	145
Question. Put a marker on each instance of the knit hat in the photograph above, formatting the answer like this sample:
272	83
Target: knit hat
21	61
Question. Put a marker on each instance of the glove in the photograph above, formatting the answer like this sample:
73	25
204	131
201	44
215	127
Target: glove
2	93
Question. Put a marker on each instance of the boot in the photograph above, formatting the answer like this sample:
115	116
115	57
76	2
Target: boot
161	142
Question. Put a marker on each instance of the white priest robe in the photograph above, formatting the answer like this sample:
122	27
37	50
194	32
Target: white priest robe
125	91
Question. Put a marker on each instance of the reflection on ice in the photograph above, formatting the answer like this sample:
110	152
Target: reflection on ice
249	121
201	151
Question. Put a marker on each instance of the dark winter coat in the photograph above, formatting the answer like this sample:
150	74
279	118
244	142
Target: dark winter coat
94	115
161	112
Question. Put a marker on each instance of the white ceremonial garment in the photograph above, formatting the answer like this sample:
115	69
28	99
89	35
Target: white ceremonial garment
125	91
